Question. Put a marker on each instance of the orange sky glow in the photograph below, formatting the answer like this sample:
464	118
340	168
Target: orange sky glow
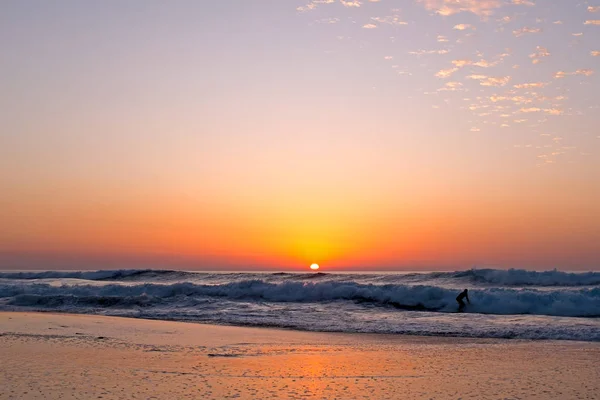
356	135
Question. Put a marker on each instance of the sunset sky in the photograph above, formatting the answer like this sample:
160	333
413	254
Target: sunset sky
261	134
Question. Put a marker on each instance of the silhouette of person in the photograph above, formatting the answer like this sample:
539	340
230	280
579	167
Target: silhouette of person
459	299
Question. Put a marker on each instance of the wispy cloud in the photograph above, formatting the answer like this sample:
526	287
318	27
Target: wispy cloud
454	84
490	81
530	85
585	72
390	20
540	52
351	3
530	110
446	73
595	53
553	111
524	30
313	4
451	87
592	22
593	9
427	52
369	26
463	27
523	3
328	20
449	7
481	63
442	39
461	63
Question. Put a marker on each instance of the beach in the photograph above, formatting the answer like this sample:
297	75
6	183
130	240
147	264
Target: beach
66	356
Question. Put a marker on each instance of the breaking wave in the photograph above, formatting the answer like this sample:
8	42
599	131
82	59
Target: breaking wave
584	302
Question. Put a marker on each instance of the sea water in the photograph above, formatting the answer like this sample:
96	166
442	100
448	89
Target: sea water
504	303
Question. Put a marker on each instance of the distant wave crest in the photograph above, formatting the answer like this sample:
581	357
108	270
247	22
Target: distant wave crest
481	277
520	277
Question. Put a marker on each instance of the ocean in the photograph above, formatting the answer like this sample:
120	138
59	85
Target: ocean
516	304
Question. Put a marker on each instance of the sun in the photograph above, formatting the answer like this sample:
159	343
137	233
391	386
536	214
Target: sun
314	267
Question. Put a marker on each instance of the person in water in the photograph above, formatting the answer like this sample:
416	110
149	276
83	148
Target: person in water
461	303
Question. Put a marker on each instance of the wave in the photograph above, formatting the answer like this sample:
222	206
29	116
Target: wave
520	277
499	301
477	277
101	275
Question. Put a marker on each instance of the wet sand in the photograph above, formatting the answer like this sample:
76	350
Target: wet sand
62	356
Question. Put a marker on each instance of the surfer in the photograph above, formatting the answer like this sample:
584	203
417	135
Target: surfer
459	299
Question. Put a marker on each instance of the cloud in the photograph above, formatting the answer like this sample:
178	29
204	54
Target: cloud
477	77
424	52
593	9
559	22
524	30
446	73
577	34
351	3
595	53
462	27
369	26
442	39
475	129
530	85
308	7
328	20
490	81
592	22
523	3
553	111
461	63
562	74
451	87
530	110
484	64
495	98
313	4
483	8
388	58
481	63
539	53
390	20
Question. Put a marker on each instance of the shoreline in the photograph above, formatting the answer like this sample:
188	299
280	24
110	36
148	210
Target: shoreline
53	355
273	330
390	336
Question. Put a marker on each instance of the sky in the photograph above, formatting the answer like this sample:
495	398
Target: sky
272	134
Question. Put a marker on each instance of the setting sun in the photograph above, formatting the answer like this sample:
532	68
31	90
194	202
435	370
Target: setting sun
314	267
